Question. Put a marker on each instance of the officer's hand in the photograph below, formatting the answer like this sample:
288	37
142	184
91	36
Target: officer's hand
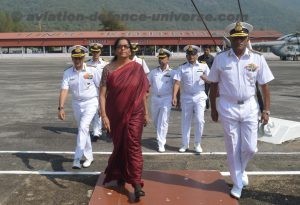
204	78
174	102
146	120
106	123
264	118
214	115
61	114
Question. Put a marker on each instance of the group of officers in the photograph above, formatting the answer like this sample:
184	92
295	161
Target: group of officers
232	76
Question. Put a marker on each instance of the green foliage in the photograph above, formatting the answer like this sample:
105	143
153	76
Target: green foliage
92	15
109	22
9	23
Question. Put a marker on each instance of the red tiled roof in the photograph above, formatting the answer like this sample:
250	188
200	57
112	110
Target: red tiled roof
135	34
108	37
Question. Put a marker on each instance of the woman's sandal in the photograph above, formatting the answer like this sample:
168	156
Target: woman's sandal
138	192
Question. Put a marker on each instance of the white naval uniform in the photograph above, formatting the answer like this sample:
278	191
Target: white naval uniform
237	106
82	85
161	83
142	62
97	122
193	99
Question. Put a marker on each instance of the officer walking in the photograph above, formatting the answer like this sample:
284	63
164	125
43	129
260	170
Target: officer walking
161	82
137	59
235	72
97	63
208	59
82	81
191	76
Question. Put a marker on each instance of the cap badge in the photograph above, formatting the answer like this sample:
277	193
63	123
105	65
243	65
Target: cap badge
238	27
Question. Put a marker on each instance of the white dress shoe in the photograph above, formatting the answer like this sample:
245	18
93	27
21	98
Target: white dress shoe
87	163
236	192
245	179
198	148
161	149
76	164
183	149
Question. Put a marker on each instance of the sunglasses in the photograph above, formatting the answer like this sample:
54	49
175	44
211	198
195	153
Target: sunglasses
123	46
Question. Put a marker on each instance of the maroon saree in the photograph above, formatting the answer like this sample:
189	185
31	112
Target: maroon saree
126	88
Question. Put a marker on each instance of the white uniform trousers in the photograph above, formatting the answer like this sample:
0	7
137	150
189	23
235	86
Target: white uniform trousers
192	106
97	125
160	111
240	124
84	111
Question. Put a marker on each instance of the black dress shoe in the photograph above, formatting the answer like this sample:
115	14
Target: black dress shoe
138	192
95	138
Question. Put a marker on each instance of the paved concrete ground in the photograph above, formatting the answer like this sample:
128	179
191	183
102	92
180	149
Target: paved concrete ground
28	122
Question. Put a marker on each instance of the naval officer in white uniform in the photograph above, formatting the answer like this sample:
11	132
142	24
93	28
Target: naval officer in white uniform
82	81
191	77
161	82
234	74
137	59
97	63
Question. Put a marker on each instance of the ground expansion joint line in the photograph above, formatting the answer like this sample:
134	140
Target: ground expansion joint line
144	153
250	173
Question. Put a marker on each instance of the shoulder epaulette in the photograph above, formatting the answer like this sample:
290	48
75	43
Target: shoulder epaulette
204	62
254	51
221	52
68	67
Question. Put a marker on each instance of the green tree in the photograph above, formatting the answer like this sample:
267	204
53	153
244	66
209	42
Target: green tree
9	24
109	22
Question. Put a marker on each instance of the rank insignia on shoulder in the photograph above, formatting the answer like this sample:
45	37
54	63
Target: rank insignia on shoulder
68	67
221	52
204	62
254	51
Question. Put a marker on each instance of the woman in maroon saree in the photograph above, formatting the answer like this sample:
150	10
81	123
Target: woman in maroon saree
124	112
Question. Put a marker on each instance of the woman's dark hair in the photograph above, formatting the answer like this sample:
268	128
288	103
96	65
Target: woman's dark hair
116	45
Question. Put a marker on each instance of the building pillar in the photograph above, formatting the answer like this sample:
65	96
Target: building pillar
22	48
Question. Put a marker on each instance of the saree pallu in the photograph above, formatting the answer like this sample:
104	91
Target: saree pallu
126	88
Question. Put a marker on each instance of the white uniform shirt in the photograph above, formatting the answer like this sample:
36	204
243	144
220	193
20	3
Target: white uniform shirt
236	77
83	84
161	82
99	65
189	75
141	62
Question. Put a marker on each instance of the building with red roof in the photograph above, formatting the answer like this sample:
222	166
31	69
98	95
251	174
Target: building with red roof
148	40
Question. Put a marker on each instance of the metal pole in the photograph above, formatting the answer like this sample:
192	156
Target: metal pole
203	22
